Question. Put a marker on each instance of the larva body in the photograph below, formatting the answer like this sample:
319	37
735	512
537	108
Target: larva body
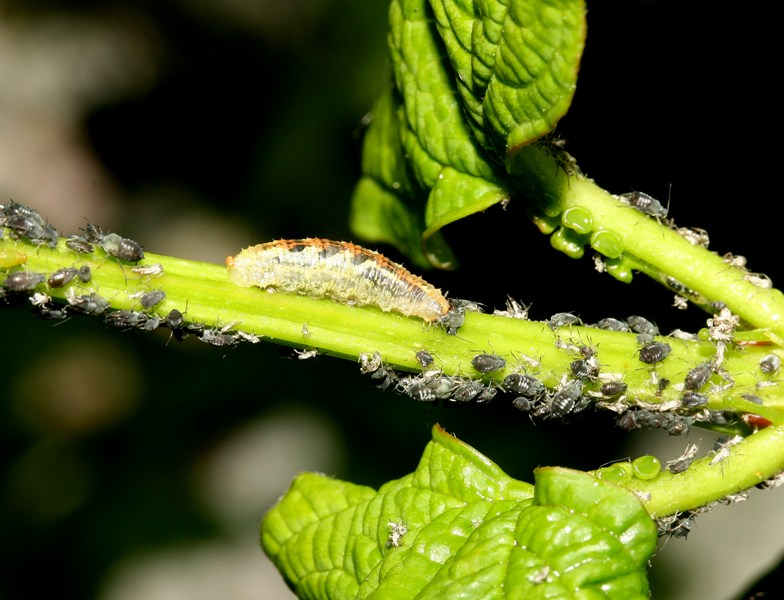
341	271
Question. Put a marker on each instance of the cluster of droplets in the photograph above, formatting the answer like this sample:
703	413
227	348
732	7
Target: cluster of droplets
680	524
574	229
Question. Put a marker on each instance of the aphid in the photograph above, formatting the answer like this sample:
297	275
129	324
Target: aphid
92	234
514	310
662	385
396	533
487	363
680	334
425	358
218	338
680	464
91	304
122	248
611	324
79	245
654	352
642	325
722	326
468	305
304	354
611	389
125	318
722	446
452	320
680	303
678	425
428	387
85	274
565	398
522	403
372	364
487	394
153	270
52	313
759	279
772	483
770	364
752	398
645	204
468	390
196	328
678	287
691	400
562	320
61	277
22	281
694	235
656	420
152	323
254	339
524	385
174	319
342	271
630	419
722	417
734	260
698	376
40	299
585	368
150	299
678	525
26	222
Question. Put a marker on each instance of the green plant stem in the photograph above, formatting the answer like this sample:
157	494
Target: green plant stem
758	457
653	247
204	293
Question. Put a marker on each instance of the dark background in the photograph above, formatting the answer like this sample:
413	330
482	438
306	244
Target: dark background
135	466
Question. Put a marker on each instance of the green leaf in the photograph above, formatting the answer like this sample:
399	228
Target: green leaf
460	527
473	83
386	203
516	64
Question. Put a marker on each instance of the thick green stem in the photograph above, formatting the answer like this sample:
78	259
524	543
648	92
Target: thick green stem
204	293
758	457
624	234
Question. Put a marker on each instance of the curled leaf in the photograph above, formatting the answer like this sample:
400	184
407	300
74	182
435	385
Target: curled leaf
474	82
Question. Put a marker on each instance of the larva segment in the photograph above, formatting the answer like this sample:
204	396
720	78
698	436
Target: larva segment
342	271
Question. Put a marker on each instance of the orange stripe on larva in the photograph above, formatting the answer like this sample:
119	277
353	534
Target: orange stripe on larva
342	271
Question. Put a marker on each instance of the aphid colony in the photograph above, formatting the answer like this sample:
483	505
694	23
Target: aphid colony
350	274
583	384
24	222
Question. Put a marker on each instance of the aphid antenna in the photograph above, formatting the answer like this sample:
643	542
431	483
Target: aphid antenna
615	461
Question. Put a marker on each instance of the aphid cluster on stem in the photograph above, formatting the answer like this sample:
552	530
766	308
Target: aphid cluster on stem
643	418
115	245
24	222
